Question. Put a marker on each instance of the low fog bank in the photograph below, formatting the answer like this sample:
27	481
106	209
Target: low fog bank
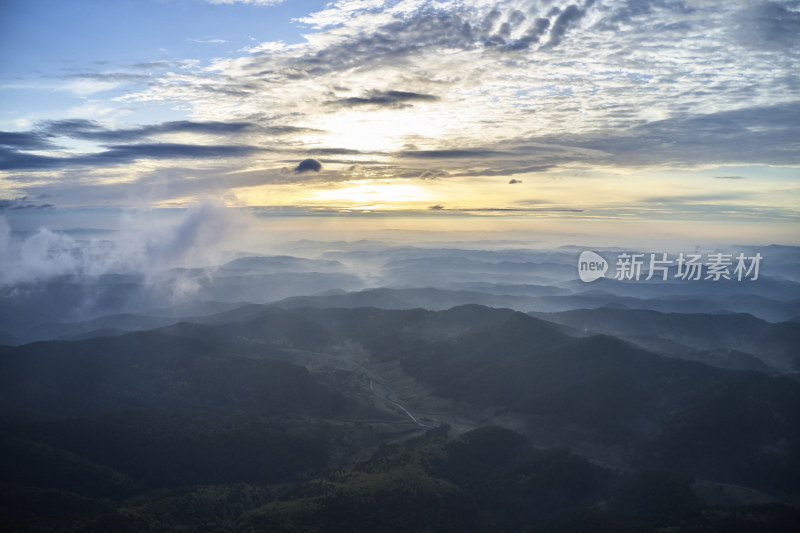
154	271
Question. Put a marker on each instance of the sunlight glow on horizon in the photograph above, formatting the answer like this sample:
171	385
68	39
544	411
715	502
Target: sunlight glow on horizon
375	193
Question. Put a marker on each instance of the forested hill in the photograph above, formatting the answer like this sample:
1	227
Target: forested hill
298	420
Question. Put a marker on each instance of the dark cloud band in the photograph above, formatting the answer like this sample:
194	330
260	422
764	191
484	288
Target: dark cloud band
385	99
119	154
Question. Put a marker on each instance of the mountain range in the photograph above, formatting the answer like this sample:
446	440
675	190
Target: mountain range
471	406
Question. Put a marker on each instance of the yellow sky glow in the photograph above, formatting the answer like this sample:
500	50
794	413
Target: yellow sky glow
372	192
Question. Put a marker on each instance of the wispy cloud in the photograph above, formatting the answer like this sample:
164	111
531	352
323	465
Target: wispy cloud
120	154
24	140
209	41
748	135
702	198
768	25
452	154
146	246
94	131
23	203
385	98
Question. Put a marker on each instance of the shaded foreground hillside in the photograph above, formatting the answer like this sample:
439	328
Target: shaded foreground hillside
271	419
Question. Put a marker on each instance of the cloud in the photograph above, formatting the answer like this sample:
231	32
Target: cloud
22	203
150	65
93	131
24	141
425	26
209	41
628	10
385	98
43	255
512	170
479	210
124	153
694	198
287	130
15	160
532	201
420	30
451	154
87	83
518	87
752	135
338	151
147	245
504	158
453	52
567	17
729	178
531	36
15	146
121	154
111	78
432	174
769	25
5	245
436	207
514	181
202	229
86	186
308	165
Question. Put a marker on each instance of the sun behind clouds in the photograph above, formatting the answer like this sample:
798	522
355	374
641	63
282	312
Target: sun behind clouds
373	194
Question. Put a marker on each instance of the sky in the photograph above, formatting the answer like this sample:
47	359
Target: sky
634	116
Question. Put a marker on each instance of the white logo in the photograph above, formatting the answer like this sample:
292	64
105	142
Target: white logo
591	266
631	266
